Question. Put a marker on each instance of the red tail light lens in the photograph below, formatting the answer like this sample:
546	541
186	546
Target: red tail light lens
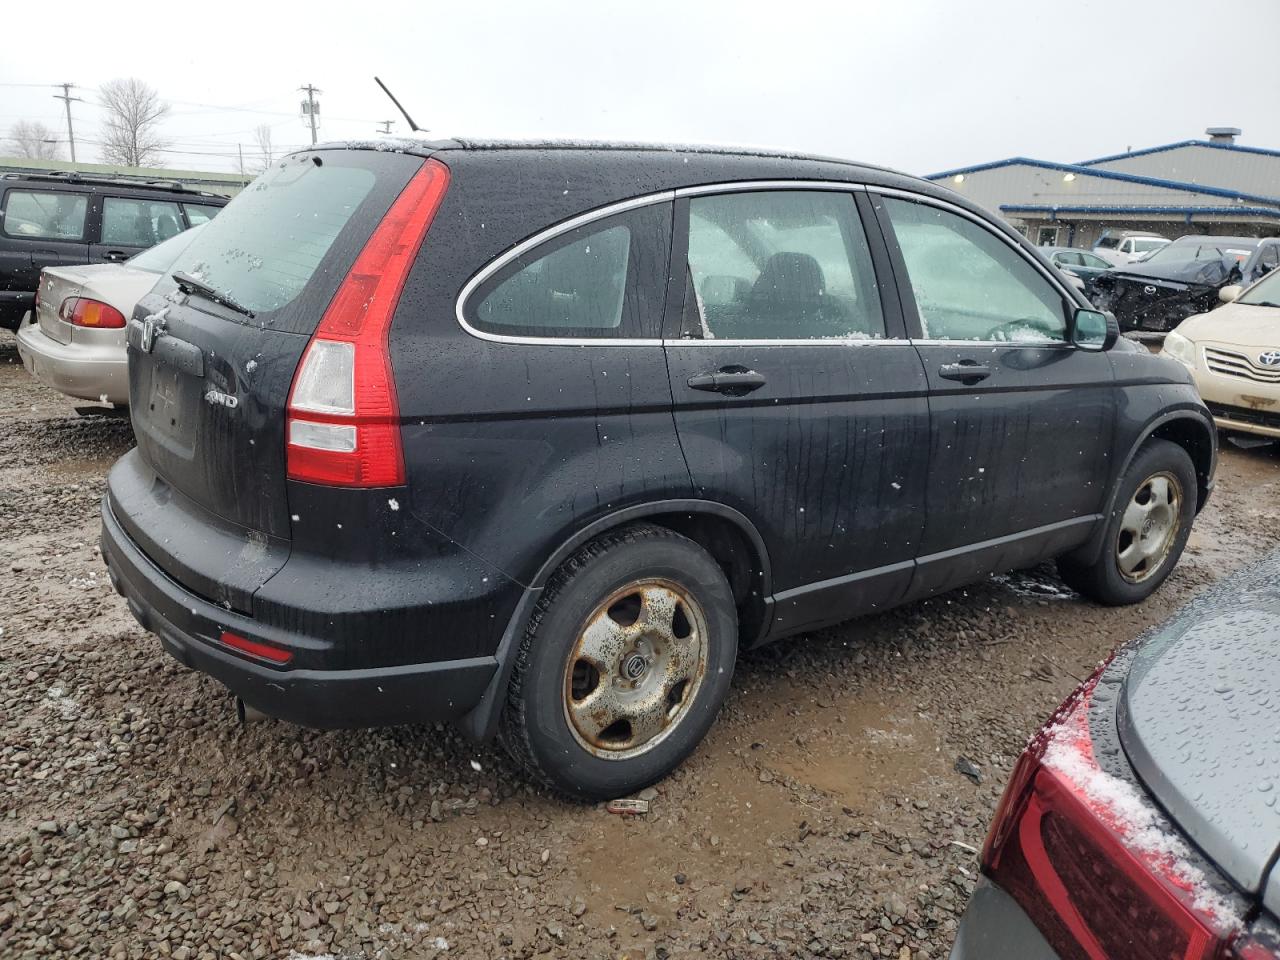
343	425
84	312
1092	863
263	651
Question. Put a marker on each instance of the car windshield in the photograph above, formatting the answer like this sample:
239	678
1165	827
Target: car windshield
1145	245
1264	293
160	258
1197	250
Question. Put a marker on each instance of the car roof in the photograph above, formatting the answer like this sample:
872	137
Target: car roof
1204	239
673	154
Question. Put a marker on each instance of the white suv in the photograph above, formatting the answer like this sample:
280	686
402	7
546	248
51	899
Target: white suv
1122	248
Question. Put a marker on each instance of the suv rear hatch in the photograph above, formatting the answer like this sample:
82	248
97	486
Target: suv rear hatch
212	358
1198	721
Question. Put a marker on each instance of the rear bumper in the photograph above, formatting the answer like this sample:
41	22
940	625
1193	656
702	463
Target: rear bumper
86	371
189	626
994	926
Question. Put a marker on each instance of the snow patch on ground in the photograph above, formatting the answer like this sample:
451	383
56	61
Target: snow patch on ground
1033	586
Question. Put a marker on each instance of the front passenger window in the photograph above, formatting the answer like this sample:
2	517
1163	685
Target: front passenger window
781	265
971	285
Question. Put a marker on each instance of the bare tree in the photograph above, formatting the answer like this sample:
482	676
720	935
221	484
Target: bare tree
266	152
35	141
131	132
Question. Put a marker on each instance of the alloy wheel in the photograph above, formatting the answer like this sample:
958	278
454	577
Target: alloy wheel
1149	527
635	668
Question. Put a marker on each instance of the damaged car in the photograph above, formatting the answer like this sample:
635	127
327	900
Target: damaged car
1181	279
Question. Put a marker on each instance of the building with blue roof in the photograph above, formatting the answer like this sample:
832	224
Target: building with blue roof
1213	186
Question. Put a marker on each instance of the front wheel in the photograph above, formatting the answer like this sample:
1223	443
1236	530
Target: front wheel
624	666
1146	532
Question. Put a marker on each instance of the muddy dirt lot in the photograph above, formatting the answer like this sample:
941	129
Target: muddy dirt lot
824	816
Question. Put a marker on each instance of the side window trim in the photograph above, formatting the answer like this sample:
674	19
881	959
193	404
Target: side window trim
910	310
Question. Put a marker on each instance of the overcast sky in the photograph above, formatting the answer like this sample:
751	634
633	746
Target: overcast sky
921	86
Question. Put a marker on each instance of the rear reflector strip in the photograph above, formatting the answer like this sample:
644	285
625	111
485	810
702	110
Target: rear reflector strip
254	648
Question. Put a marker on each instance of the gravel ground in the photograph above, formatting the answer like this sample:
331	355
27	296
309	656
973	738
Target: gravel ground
824	816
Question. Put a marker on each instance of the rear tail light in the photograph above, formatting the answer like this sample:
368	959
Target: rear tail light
84	312
255	648
1092	863
343	426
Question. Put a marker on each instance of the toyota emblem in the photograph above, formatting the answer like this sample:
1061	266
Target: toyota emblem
1270	359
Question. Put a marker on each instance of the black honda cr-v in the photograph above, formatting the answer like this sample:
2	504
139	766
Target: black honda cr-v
537	437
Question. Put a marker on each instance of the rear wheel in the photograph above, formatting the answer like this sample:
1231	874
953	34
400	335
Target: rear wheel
1147	531
624	665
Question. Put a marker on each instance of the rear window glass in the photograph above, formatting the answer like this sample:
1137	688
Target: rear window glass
265	245
160	257
45	215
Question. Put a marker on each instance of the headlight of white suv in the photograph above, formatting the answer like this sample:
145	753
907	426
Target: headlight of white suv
1180	348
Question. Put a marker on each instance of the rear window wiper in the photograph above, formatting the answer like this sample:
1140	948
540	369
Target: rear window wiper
189	284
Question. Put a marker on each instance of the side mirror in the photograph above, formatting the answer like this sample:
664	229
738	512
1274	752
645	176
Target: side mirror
1094	330
1229	293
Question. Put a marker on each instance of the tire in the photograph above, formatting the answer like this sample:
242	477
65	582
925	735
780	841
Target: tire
626	661
1143	540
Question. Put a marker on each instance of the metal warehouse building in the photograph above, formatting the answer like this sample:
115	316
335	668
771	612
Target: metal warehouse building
1213	186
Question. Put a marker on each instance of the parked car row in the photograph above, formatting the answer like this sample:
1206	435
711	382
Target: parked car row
74	339
1181	279
56	220
411	447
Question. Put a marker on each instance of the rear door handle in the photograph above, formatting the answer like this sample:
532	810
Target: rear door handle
967	372
732	381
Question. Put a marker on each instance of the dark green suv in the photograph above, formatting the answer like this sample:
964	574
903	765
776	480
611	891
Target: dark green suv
50	220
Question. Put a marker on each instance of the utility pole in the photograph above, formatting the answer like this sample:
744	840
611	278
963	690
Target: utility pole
240	151
66	98
386	126
310	108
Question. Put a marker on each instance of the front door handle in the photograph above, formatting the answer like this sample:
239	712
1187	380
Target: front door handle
115	256
967	372
732	381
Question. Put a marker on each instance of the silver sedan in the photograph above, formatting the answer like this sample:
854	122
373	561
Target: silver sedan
74	339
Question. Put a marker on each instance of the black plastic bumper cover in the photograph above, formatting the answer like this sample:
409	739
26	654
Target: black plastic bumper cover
189	626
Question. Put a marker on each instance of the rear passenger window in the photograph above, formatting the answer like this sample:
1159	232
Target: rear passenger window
198	213
138	223
45	215
780	265
598	281
968	283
